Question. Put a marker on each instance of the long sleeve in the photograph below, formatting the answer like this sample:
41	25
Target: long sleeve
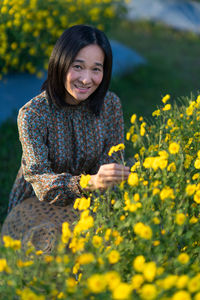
60	145
47	185
114	124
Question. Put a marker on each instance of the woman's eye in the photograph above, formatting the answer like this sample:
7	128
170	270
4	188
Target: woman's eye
78	67
97	70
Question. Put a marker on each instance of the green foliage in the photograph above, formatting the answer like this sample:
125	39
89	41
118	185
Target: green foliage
10	155
29	29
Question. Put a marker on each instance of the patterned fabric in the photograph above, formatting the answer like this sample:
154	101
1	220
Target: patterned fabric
61	144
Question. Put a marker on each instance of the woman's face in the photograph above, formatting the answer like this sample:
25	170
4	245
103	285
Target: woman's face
85	74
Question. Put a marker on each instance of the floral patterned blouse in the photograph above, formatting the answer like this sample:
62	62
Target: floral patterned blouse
61	144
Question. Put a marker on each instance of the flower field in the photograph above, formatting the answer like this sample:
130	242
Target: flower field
138	241
30	28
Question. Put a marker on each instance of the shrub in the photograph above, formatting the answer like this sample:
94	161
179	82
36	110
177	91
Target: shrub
30	28
139	241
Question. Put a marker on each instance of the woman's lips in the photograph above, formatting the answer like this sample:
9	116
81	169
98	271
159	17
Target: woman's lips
82	89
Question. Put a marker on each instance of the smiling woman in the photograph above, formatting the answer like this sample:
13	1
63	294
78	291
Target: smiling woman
85	74
65	132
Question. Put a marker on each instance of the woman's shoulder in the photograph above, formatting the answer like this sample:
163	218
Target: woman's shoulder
38	105
111	101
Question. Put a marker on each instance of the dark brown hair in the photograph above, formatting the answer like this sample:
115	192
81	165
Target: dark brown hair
64	52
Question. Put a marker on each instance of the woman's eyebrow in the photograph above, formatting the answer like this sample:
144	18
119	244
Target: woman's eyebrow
82	61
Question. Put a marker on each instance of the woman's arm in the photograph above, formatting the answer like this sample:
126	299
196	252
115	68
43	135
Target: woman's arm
109	171
47	185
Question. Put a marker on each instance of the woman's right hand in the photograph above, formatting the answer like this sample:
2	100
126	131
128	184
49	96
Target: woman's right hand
108	176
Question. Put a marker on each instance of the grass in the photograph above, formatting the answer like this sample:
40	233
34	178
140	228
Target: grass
173	67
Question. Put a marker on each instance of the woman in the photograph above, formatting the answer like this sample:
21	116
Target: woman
66	131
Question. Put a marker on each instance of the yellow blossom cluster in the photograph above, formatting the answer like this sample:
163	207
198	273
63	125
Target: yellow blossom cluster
116	148
29	29
142	230
84	181
143	240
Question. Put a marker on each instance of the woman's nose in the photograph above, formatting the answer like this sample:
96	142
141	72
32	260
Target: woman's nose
85	77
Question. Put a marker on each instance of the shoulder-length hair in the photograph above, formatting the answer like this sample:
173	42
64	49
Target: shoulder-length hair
64	52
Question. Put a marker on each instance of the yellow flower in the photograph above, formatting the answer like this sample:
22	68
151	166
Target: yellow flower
170	122
137	281
82	203
135	166
96	283
136	197
22	264
86	221
134	138
138	263
128	135
39	252
197	296
197	164
189	110
194	284
143	230
193	220
113	257
133	118
27	294
174	148
171	167
149	271
84	180
122	291
71	284
76	268
167	107
116	148
112	279
118	240
66	233
148	291
11	243
180	218
85	258
181	295
156	220
48	258
182	281
195	176
142	129
187	162
156	243
167	192
3	265
107	234
183	258
133	179
156	113
169	281
96	241
197	197
148	162
190	189
165	98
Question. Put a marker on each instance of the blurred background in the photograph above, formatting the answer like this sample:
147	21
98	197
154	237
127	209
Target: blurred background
156	48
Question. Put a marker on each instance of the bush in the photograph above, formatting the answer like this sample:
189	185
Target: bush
143	241
30	28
